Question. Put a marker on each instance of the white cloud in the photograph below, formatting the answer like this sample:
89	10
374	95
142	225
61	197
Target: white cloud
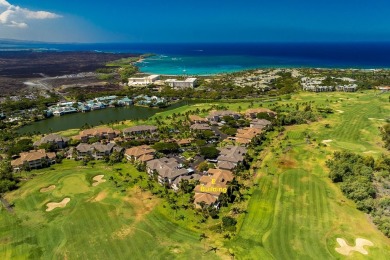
16	16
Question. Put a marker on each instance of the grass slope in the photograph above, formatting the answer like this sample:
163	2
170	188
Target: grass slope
296	212
116	226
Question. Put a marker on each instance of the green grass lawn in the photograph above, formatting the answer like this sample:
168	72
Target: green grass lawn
294	211
98	223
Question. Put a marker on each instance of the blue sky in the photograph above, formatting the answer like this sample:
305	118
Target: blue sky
195	21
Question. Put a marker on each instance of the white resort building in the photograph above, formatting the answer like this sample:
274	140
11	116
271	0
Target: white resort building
144	81
187	83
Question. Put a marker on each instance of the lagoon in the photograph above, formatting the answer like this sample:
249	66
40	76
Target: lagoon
93	118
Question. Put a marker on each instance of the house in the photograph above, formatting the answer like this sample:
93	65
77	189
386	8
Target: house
194	119
143	81
102	150
232	154
184	142
207	199
101	133
96	150
216	116
200	127
176	183
56	140
167	169
225	165
139	131
259	123
33	159
143	153
180	84
252	113
213	184
84	150
245	135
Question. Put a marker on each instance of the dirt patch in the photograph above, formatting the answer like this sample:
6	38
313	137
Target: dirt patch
101	196
346	249
52	205
47	189
287	163
98	179
143	203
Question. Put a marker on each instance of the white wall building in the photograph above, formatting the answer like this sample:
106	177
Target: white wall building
188	83
144	81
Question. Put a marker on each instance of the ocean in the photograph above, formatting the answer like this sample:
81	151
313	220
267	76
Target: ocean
214	58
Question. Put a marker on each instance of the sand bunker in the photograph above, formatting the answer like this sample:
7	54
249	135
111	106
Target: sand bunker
327	141
50	188
340	111
52	205
345	249
98	179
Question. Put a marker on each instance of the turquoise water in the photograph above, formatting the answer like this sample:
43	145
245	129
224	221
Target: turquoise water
206	65
215	58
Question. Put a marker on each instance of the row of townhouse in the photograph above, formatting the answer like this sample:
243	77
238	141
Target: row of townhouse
33	159
96	150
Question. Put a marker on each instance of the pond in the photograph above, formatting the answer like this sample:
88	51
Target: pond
94	118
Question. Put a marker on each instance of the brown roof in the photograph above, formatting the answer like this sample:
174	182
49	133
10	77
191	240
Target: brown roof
84	148
225	165
140	150
166	167
253	111
204	197
200	127
32	155
51	138
146	157
195	118
97	132
140	128
184	141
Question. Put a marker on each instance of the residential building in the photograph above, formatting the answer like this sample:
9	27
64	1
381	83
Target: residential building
232	154
214	184
216	116
180	84
101	133
194	119
140	131
167	169
200	127
33	159
96	150
259	123
176	183
252	113
143	153
56	140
